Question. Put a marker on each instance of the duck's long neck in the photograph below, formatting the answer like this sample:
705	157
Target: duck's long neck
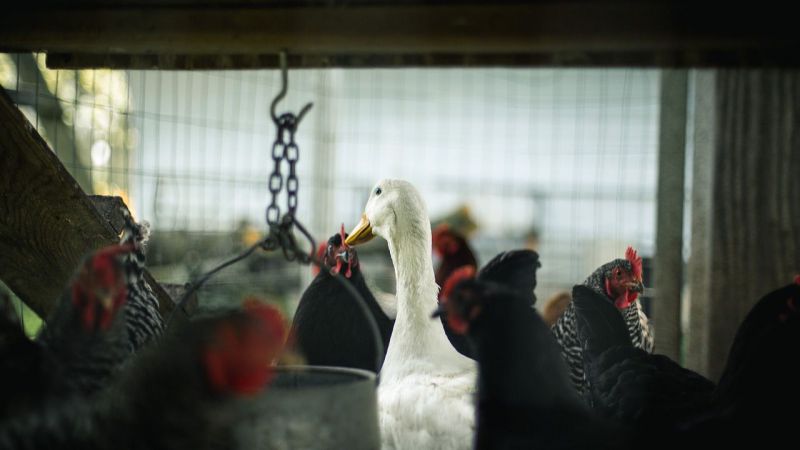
415	334
413	268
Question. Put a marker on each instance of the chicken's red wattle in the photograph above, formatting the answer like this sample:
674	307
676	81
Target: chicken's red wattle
626	299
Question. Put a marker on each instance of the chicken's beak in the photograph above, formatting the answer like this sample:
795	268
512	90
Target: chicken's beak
361	233
636	286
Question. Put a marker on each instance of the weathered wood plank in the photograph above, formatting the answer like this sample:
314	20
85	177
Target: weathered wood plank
702	227
669	213
109	209
47	223
350	33
746	223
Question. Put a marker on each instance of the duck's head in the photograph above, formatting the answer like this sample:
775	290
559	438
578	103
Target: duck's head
393	206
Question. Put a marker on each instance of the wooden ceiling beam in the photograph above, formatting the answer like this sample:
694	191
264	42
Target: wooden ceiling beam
346	34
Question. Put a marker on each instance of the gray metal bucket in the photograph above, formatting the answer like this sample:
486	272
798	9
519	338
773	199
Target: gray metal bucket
316	407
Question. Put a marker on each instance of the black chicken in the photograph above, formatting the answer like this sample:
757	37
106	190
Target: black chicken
620	282
626	383
659	398
183	393
329	327
525	397
514	269
756	399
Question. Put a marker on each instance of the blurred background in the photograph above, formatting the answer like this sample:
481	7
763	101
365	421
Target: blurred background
563	161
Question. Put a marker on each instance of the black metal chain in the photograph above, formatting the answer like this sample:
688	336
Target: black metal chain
281	229
284	148
292	154
275	185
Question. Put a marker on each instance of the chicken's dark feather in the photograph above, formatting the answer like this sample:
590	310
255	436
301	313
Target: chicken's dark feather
525	398
677	406
627	383
516	270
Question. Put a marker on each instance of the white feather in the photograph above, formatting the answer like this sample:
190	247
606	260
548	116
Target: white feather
427	388
386	300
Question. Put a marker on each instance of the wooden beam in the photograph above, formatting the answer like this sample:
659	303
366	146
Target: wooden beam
661	58
703	220
149	33
669	213
47	223
109	209
745	220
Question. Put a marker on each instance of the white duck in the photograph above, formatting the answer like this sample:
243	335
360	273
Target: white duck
426	390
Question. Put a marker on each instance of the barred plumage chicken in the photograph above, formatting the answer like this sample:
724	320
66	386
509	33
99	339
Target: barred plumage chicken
102	318
144	321
81	347
85	338
620	282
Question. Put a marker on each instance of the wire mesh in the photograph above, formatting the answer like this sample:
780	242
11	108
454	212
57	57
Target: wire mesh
563	160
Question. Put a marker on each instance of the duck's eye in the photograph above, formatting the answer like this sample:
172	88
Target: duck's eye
378	191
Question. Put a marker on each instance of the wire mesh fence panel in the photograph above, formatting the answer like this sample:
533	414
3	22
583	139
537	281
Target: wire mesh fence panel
563	160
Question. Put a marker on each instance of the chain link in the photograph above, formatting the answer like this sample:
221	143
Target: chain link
284	139
281	228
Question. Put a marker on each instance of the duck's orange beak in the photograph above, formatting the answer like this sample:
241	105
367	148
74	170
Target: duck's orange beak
361	233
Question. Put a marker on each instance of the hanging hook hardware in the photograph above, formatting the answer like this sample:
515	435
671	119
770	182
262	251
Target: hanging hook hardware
284	66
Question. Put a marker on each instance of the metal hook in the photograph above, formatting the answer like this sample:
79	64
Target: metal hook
284	85
284	65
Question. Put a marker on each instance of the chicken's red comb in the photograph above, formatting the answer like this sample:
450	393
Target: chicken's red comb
635	260
797	280
439	233
100	271
240	358
444	240
343	235
268	315
458	275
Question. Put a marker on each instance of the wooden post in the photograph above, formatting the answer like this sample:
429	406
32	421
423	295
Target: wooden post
669	215
47	223
701	228
745	217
